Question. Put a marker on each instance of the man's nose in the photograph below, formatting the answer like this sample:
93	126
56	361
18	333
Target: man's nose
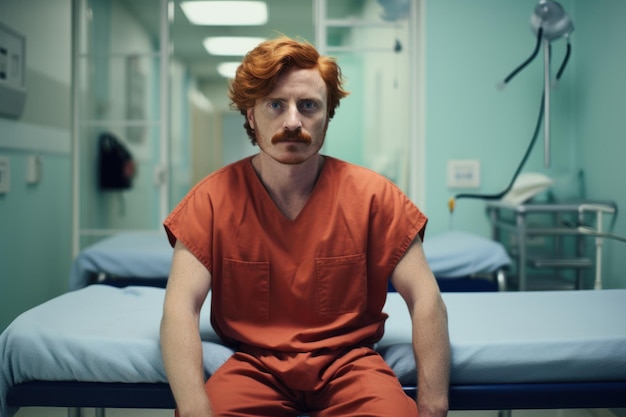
292	119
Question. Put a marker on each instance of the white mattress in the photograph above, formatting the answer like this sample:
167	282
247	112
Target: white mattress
458	254
128	255
451	254
106	334
522	337
98	333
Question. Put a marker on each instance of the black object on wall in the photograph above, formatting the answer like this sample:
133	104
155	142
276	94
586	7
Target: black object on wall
116	165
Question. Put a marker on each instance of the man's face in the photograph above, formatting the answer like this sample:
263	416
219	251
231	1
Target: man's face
290	123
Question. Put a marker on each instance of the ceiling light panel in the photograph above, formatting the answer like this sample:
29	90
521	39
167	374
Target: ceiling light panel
225	13
230	45
228	69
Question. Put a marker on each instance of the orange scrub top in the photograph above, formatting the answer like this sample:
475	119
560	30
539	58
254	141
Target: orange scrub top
311	284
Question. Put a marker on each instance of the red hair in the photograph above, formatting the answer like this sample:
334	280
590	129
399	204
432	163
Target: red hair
257	75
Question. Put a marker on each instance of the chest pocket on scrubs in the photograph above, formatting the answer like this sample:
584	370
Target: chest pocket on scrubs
246	290
341	284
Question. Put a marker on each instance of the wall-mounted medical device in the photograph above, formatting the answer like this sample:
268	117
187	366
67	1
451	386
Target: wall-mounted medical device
549	22
12	72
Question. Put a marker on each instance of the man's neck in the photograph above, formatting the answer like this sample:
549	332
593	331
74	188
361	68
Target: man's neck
289	186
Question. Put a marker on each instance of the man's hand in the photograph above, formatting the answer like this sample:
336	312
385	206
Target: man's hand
416	283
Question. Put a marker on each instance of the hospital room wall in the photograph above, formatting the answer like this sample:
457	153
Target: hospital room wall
469	48
35	219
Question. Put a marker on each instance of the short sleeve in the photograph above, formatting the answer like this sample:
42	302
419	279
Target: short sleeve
395	223
191	222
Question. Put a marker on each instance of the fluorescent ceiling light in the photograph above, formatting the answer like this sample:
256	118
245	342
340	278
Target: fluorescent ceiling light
225	13
230	45
228	69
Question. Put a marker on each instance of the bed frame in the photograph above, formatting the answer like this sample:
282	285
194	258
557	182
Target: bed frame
598	394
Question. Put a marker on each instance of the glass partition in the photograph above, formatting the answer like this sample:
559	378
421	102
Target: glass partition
119	93
372	126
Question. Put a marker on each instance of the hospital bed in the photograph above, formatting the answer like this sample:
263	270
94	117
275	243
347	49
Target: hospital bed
460	261
463	261
98	347
135	258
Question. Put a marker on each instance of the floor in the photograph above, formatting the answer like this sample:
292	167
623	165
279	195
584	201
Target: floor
61	412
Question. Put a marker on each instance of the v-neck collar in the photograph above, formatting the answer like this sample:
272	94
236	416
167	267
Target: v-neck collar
260	190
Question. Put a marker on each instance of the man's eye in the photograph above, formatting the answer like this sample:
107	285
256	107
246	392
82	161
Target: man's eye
308	105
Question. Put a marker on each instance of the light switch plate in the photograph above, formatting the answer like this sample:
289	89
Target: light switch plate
464	173
33	169
5	175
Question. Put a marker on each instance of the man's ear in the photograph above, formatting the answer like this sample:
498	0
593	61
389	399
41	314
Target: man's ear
250	116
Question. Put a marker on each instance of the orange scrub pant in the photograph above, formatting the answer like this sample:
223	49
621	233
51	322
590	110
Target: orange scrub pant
357	383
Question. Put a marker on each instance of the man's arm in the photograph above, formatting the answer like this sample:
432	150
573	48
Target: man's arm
187	287
416	283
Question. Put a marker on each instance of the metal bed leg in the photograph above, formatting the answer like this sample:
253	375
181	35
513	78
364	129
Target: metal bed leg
501	278
74	412
78	412
504	413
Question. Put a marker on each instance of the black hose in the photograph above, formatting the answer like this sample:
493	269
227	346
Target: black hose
528	60
501	194
519	168
568	52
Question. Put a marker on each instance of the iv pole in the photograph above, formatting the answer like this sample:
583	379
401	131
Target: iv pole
549	21
546	103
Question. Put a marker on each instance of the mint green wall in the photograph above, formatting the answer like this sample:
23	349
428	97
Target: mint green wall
35	240
470	47
344	139
600	115
35	220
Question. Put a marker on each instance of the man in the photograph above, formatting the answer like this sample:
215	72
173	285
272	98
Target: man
297	249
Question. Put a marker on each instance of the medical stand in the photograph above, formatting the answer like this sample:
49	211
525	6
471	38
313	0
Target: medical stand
543	227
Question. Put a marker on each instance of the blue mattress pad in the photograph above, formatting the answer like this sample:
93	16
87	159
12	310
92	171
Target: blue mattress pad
107	334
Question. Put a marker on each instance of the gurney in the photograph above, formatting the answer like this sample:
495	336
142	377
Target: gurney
99	347
460	261
126	258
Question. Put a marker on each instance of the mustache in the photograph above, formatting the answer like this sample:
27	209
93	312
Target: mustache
292	136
